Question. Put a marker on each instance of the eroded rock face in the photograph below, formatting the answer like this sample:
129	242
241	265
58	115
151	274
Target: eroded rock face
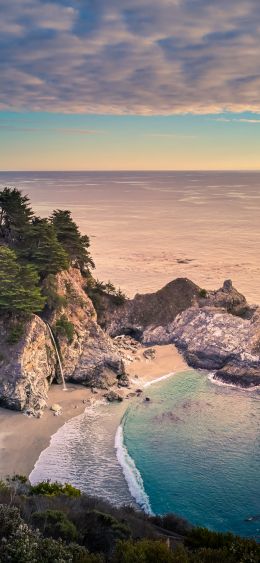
212	339
215	330
26	368
90	357
152	309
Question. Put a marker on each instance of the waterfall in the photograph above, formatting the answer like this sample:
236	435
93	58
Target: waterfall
58	355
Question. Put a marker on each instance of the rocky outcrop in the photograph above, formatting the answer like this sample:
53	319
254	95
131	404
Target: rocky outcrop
228	298
152	309
27	368
89	357
214	340
215	330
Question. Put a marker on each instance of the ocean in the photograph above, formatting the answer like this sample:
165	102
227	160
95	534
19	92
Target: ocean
147	228
192	450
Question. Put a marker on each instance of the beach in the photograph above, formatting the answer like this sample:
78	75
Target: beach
23	438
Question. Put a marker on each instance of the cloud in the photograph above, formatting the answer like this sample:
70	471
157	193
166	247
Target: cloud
130	56
237	120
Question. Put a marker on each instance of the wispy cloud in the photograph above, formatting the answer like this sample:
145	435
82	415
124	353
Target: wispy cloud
171	135
130	56
237	120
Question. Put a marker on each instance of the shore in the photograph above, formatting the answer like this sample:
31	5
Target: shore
22	438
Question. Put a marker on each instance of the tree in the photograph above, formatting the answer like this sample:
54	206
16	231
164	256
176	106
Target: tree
18	285
44	250
73	242
15	216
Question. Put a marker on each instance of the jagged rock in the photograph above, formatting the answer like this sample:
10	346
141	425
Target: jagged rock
151	309
212	339
149	354
227	297
113	396
27	368
56	408
91	358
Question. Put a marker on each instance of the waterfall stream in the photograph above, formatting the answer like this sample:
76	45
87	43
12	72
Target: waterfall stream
58	355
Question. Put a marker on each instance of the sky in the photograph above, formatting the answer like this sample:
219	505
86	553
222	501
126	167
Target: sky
129	84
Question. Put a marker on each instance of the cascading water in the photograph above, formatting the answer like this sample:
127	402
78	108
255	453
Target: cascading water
58	355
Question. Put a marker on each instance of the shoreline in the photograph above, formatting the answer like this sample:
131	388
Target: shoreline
23	438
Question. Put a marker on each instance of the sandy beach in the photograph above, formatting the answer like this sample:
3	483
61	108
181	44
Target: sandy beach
22	438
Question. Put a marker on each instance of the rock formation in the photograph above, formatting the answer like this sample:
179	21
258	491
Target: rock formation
215	330
28	367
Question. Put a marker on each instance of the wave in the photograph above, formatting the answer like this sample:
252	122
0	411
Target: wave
220	383
132	475
148	383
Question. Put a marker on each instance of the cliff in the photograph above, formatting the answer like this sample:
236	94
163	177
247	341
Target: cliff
215	330
28	363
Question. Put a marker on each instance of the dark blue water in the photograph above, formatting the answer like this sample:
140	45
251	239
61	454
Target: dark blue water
196	446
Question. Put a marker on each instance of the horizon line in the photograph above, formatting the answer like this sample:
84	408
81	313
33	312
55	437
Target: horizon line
136	170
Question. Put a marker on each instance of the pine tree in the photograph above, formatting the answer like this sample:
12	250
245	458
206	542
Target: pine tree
44	250
73	242
15	216
18	285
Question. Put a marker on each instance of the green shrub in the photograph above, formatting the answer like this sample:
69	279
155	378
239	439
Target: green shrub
203	293
54	489
65	328
53	299
55	524
148	551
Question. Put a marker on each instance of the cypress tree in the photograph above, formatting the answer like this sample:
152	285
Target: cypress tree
18	285
73	242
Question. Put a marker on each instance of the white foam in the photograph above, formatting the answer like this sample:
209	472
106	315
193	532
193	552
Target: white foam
132	475
148	383
216	381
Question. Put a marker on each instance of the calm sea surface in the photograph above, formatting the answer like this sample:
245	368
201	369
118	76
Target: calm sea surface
144	224
193	450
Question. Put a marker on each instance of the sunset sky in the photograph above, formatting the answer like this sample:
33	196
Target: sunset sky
129	84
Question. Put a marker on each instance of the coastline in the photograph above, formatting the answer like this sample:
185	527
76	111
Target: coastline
22	438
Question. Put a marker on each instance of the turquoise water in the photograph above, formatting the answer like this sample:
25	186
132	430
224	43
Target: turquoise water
196	447
193	450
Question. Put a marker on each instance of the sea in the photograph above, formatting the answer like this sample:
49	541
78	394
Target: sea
147	228
193	449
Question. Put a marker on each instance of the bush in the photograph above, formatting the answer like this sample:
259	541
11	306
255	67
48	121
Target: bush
55	524
101	531
172	522
53	299
203	293
54	489
148	551
65	328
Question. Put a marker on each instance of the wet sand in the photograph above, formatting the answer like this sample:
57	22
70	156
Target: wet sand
22	438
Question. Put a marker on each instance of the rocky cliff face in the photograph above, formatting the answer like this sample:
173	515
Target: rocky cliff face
89	356
28	367
152	309
215	330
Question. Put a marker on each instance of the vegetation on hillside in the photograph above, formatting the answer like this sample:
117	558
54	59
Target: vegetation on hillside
33	250
50	523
